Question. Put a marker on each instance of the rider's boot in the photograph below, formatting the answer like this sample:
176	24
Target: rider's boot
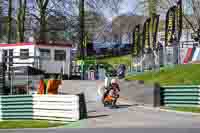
114	105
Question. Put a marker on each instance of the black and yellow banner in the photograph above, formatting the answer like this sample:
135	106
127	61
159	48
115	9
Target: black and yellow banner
135	49
85	42
170	25
146	35
179	20
154	31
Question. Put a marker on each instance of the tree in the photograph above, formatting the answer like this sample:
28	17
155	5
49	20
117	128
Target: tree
1	15
67	11
9	20
194	19
21	17
196	13
100	5
152	7
42	6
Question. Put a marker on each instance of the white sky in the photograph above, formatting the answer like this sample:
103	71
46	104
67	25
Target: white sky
127	6
130	6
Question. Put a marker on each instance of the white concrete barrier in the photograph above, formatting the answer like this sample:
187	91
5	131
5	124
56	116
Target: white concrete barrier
43	107
56	107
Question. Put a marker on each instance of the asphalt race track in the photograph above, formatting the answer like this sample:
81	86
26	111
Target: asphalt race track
107	130
128	118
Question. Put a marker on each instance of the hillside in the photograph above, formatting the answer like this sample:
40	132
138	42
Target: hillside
179	75
116	60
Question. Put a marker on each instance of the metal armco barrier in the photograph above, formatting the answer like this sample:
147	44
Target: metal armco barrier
180	96
42	107
16	107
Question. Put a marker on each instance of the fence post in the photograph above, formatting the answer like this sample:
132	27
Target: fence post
2	72
157	95
82	106
0	109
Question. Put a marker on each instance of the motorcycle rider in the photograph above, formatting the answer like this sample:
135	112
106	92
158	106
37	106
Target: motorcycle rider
114	91
107	86
112	94
121	71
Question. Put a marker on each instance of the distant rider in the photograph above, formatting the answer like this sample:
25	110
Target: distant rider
114	92
107	86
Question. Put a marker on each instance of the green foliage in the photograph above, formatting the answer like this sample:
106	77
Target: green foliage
152	7
116	60
179	75
186	109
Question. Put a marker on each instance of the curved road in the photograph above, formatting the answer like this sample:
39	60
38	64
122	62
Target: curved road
129	115
129	118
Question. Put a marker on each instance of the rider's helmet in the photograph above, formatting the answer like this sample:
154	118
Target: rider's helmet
114	81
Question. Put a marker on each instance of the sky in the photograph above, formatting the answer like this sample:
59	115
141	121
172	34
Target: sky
130	5
127	6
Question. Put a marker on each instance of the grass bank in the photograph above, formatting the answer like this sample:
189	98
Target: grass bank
185	109
178	75
28	124
116	60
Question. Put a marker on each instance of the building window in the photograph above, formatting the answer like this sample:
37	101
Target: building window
6	55
11	55
60	55
45	54
115	38
24	53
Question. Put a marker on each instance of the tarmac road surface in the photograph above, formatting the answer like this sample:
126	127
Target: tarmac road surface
107	130
129	118
126	119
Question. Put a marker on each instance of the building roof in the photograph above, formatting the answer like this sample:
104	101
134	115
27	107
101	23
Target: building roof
27	70
37	44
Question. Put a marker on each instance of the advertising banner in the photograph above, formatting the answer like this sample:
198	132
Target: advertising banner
154	31
146	35
179	20
136	41
170	25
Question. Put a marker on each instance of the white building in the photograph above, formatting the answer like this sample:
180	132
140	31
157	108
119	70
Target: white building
52	58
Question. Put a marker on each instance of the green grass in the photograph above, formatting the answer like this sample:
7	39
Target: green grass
178	75
28	124
186	109
116	60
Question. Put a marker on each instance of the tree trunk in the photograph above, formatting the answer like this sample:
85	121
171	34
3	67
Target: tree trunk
1	15
82	34
42	26
9	21
21	18
19	22
42	4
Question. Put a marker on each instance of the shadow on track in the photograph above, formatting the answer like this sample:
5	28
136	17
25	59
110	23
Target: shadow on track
97	116
92	111
121	106
124	106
